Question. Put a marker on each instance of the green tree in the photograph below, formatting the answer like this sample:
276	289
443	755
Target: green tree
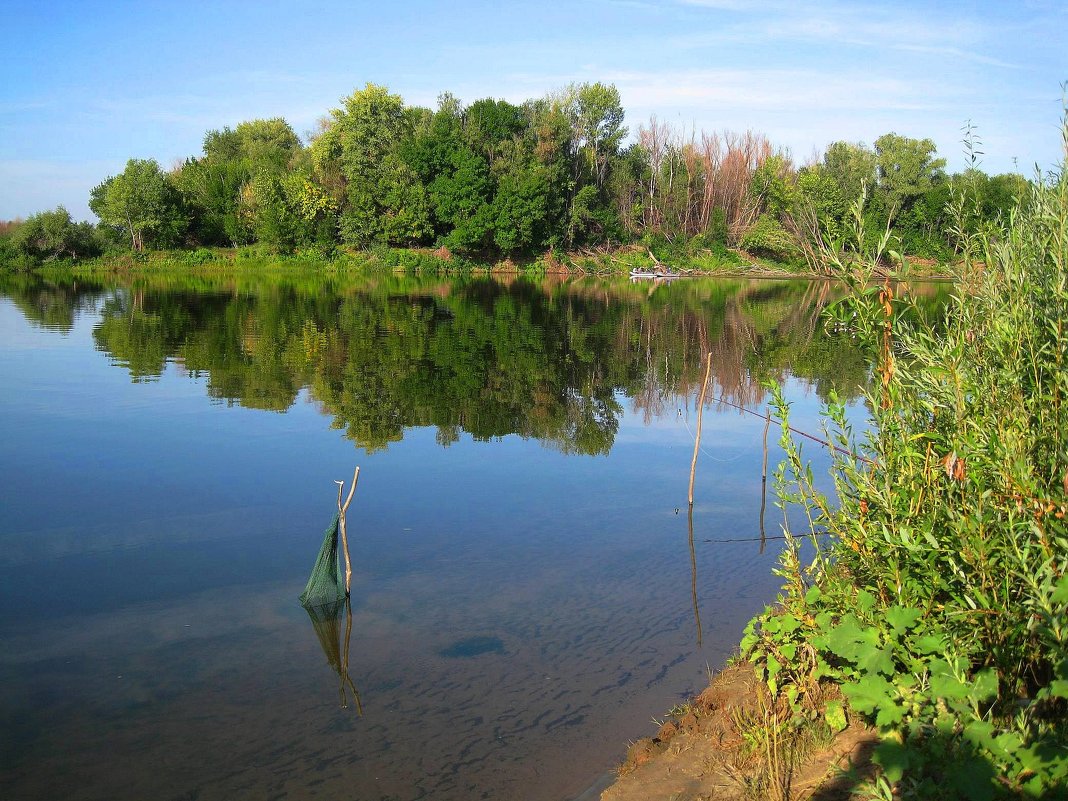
600	126
906	169
822	194
142	204
774	186
50	235
287	211
211	186
852	167
211	189
384	200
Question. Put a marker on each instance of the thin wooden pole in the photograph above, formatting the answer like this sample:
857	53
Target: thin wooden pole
700	412
342	509
764	479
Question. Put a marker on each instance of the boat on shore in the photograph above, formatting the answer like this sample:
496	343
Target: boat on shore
659	272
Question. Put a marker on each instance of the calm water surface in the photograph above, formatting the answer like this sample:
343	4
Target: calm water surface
523	589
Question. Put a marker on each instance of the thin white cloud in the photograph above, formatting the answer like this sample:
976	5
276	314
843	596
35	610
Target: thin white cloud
878	27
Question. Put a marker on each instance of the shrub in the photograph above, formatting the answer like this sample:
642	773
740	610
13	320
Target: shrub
940	603
769	239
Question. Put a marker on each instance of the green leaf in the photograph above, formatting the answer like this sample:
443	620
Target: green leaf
865	601
946	686
1060	593
849	641
1058	688
984	685
902	618
973	779
813	595
929	644
980	733
788	624
893	758
869	693
1007	744
877	660
890	714
835	715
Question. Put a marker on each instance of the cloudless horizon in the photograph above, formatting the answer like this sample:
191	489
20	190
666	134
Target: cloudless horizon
91	84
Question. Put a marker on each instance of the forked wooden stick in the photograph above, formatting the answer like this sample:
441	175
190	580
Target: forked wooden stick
342	509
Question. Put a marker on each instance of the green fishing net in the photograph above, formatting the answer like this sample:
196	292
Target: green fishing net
327	583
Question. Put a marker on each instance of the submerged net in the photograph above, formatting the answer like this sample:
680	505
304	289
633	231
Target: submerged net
326	585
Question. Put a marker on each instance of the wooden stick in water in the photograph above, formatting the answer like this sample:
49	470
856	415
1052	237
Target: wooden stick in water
764	479
700	411
342	509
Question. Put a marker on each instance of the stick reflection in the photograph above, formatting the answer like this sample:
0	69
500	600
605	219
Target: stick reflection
326	620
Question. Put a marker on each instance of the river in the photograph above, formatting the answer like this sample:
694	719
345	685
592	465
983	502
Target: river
528	588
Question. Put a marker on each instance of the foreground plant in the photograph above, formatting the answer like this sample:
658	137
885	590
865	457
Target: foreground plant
939	601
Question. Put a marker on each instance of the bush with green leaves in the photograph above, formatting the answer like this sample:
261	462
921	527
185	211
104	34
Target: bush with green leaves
937	599
768	238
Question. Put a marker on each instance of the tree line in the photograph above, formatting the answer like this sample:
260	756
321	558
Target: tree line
494	180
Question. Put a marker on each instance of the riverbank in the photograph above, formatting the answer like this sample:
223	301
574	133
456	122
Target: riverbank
717	746
603	262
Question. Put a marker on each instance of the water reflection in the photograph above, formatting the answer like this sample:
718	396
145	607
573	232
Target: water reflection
483	356
693	578
326	621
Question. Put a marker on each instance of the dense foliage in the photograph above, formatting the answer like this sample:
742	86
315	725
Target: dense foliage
938	597
495	180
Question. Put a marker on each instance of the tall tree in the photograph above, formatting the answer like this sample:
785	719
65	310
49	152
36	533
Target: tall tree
852	167
212	184
906	169
141	203
384	201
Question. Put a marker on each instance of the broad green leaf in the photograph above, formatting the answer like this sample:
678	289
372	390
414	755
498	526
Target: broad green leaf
973	779
1060	594
1058	688
984	685
788	624
946	686
890	714
850	641
893	758
869	693
865	601
774	666
835	715
929	644
877	660
980	733
1007	744
902	618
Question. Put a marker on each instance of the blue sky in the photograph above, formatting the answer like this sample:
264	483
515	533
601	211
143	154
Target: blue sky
88	85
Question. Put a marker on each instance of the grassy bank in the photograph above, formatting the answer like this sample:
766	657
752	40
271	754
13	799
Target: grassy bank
605	262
